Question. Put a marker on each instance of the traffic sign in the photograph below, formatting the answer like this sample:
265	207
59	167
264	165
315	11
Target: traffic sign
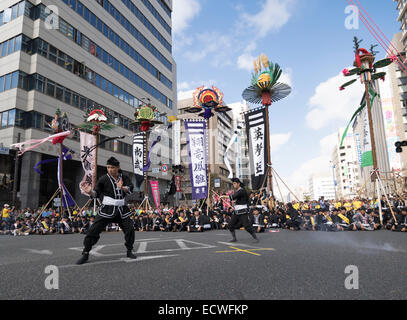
164	168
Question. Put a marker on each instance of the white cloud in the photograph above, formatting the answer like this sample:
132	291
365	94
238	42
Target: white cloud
245	61
218	48
182	95
331	106
184	11
273	15
317	165
278	140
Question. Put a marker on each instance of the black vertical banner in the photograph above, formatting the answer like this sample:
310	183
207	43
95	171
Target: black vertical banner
258	141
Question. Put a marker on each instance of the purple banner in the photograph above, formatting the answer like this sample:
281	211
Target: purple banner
197	152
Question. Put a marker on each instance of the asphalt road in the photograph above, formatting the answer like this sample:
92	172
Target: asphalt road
182	266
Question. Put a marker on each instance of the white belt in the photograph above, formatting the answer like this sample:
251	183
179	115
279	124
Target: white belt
113	202
240	207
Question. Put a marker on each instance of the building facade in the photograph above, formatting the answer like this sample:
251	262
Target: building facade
345	166
76	55
321	185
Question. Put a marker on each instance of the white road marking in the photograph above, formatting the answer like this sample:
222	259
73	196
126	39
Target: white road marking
126	260
182	245
47	252
142	248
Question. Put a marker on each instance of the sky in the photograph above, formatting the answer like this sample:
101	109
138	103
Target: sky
216	41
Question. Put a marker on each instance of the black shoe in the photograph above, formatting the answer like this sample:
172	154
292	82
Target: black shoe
131	255
256	240
83	259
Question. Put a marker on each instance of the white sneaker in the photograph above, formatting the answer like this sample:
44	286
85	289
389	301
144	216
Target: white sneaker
26	234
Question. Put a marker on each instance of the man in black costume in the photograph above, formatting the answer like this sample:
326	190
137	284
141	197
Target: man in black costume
111	189
241	206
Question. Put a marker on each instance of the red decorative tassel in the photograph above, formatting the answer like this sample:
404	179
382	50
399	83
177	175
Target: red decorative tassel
58	140
145	126
266	98
341	88
345	72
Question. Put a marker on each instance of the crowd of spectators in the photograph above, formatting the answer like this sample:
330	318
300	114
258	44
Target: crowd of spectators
344	215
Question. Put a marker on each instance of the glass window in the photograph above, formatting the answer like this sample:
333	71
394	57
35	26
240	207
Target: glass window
104	56
11	46
75	100
100	25
4	51
42	48
14	11
106	30
7	15
69	63
1	18
52	53
4	119
93	19
104	84
14	80
126	97
79	8
11	117
115	91
47	123
17	45
1	84
111	60
121	94
98	52
73	4
21	7
131	100
110	87
67	96
61	59
82	104
86	14
7	82
50	88
97	82
39	83
59	92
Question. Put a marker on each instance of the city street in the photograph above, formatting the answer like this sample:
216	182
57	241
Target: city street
182	266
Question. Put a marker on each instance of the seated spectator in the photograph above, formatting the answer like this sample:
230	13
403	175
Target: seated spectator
363	221
53	226
181	222
19	228
44	226
257	220
196	222
65	226
167	224
401	218
224	220
155	222
4	228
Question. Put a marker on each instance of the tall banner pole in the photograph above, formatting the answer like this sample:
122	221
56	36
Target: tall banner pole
95	171
61	183
270	177
146	179
209	167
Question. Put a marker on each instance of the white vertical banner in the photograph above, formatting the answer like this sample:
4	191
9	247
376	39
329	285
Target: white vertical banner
177	142
88	158
138	157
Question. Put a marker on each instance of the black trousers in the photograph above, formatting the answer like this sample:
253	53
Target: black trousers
93	235
240	220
